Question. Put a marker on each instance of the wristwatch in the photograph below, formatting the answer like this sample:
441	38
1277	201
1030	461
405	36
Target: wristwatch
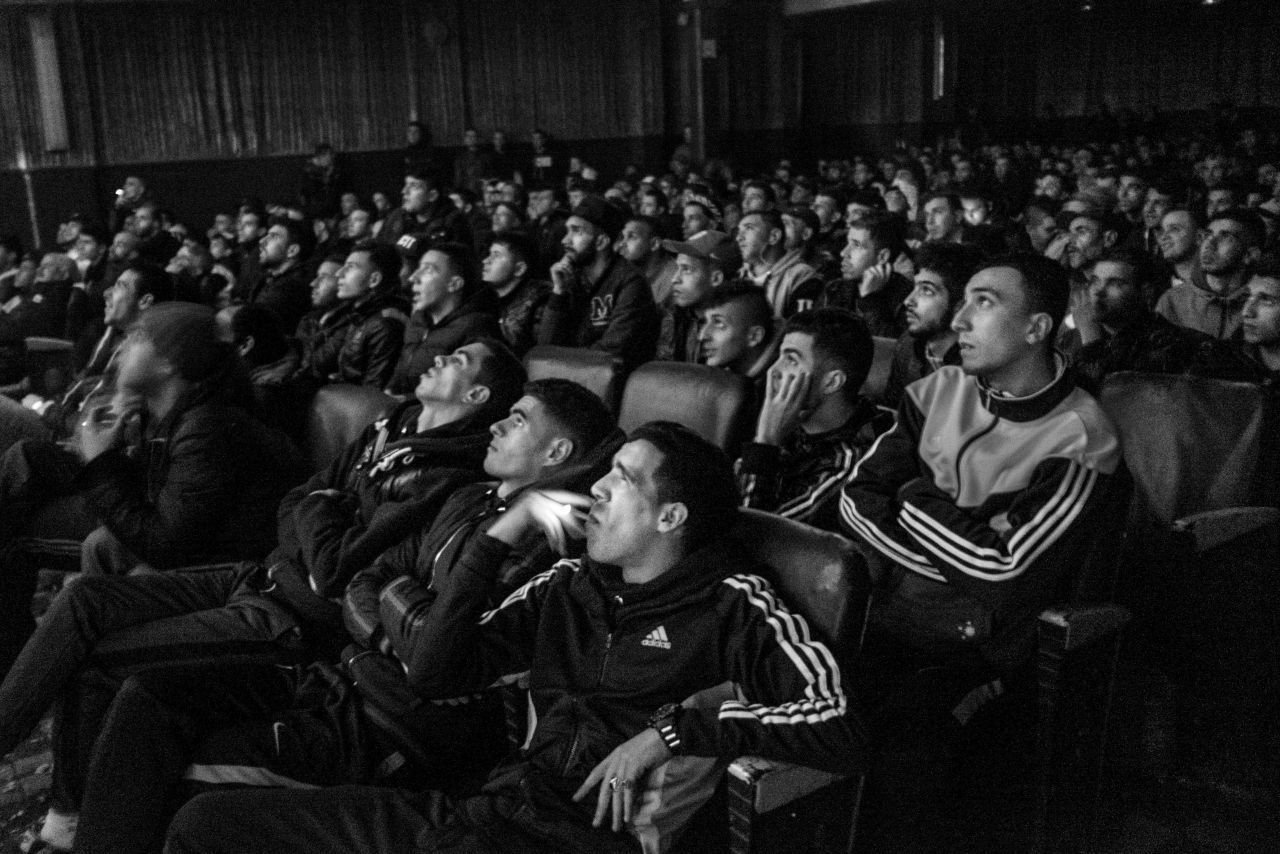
664	721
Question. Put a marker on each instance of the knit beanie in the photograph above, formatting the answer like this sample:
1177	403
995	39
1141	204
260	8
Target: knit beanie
185	334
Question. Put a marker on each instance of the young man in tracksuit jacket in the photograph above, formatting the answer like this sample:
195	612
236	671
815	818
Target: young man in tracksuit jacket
358	721
627	652
380	489
983	499
599	300
814	425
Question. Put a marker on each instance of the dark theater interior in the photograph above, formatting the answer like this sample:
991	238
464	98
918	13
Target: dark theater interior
639	426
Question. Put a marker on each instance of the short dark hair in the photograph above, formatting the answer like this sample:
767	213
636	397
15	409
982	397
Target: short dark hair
1255	231
841	339
502	373
885	230
263	325
385	259
1046	284
752	297
462	261
301	234
575	410
835	194
695	473
519	245
151	279
953	262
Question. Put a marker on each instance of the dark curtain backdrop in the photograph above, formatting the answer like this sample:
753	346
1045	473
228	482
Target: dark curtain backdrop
155	83
1175	57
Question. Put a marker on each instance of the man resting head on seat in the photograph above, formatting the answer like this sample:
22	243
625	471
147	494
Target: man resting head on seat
814	425
620	647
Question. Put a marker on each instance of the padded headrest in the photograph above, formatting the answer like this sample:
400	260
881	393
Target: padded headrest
1192	444
881	362
338	414
819	574
598	372
711	402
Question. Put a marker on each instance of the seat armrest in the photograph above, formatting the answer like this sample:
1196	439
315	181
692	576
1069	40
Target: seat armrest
1078	626
768	784
1212	528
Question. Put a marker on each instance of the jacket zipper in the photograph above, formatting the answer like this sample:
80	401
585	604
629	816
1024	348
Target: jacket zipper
577	731
995	419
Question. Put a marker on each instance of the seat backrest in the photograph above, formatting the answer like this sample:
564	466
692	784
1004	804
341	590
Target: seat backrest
1192	444
878	376
819	574
50	364
599	372
713	403
337	415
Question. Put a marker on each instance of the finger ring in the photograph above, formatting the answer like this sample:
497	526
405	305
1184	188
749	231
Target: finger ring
624	784
613	782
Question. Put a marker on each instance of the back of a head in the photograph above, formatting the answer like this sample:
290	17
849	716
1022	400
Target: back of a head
695	473
578	412
503	374
185	334
1045	283
841	341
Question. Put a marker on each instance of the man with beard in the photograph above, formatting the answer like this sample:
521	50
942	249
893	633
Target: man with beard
929	342
1091	233
813	426
283	253
598	299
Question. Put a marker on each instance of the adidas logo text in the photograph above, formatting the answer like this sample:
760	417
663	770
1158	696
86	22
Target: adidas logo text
658	638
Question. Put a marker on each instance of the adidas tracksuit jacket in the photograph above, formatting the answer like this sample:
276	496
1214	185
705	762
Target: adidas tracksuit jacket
985	502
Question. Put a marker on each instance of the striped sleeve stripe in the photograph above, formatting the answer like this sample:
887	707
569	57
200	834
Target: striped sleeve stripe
899	554
813	660
522	593
802	505
864	528
1030	541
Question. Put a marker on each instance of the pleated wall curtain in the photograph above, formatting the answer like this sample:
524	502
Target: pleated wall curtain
157	82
